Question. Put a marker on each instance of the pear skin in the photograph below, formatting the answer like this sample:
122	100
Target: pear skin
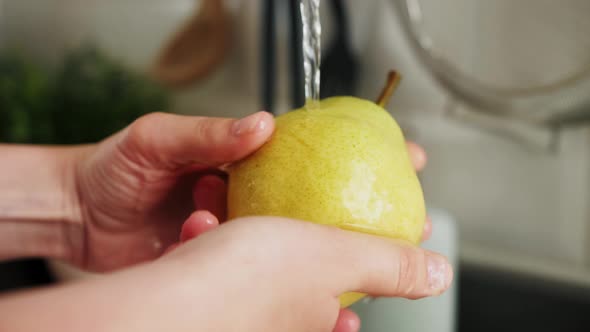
344	164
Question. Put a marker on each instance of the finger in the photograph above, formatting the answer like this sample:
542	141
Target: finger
177	141
427	229
384	267
198	223
348	321
417	155
210	194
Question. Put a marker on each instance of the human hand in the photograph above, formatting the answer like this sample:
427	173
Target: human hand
134	189
202	221
281	250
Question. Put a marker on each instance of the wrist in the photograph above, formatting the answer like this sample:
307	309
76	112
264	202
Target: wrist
39	209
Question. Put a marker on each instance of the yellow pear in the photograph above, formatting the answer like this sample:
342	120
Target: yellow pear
343	163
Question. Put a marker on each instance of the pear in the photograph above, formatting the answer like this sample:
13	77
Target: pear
343	163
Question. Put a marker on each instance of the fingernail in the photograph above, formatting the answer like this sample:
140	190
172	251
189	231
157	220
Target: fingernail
439	273
249	125
209	220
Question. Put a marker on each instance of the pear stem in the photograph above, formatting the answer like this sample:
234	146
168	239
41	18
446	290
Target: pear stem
393	79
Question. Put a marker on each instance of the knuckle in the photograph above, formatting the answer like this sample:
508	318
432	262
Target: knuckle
144	127
215	132
141	140
204	128
407	275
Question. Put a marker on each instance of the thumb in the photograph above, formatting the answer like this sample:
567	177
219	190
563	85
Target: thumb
178	141
383	267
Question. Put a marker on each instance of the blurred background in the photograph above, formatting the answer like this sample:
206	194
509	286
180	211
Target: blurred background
496	91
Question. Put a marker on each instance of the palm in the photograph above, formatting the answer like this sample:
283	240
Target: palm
132	211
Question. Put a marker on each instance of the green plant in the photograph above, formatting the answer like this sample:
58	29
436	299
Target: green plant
23	94
87	98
